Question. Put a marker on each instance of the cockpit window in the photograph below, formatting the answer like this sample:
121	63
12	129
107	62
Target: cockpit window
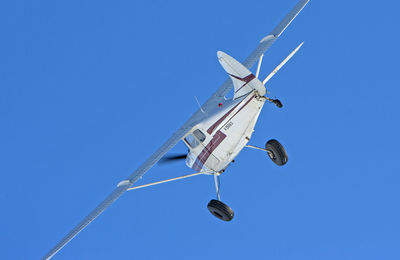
199	134
191	141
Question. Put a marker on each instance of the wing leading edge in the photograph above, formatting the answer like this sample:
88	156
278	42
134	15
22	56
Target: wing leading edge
263	46
123	186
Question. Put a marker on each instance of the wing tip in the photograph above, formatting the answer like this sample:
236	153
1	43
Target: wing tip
221	54
281	27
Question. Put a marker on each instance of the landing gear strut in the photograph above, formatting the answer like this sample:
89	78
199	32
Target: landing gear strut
217	207
275	151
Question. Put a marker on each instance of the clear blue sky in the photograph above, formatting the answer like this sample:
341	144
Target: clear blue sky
89	89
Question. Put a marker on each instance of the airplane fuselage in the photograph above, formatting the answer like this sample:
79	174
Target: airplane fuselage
217	140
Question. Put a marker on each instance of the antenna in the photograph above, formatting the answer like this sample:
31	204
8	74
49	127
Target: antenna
198	103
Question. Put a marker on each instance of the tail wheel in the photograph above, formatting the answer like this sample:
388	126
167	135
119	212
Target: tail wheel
220	210
276	152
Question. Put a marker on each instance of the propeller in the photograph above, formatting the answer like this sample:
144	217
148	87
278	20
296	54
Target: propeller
172	158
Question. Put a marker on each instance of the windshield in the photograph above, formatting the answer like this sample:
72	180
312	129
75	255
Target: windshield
191	141
199	134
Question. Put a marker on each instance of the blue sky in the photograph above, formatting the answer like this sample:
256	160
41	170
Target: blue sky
89	89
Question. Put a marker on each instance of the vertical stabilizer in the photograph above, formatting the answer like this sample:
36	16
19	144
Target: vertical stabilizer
243	80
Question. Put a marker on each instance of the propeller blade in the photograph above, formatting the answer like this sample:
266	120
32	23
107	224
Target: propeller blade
172	158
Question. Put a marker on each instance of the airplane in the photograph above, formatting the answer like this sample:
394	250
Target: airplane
217	132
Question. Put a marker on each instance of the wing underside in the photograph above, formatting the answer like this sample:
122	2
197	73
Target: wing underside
123	186
264	44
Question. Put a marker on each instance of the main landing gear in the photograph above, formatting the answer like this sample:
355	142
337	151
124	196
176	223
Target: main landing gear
275	151
276	102
217	207
220	210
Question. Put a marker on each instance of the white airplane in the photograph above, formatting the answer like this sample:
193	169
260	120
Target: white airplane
217	132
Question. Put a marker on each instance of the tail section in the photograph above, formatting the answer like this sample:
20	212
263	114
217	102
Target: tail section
243	80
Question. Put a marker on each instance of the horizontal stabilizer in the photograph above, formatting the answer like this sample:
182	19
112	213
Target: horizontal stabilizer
243	80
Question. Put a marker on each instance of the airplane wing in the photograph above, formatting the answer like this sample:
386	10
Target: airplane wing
264	44
123	186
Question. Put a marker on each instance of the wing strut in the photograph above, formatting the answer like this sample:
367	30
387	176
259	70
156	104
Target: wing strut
282	64
123	186
259	65
172	179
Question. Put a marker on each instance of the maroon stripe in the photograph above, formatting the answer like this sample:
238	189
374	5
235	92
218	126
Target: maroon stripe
212	128
197	166
211	146
248	101
208	150
214	143
246	79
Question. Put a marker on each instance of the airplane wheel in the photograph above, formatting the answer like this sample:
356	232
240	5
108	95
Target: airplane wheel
276	152
220	210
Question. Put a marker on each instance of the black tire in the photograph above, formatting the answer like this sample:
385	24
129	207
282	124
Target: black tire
278	103
276	152
220	210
